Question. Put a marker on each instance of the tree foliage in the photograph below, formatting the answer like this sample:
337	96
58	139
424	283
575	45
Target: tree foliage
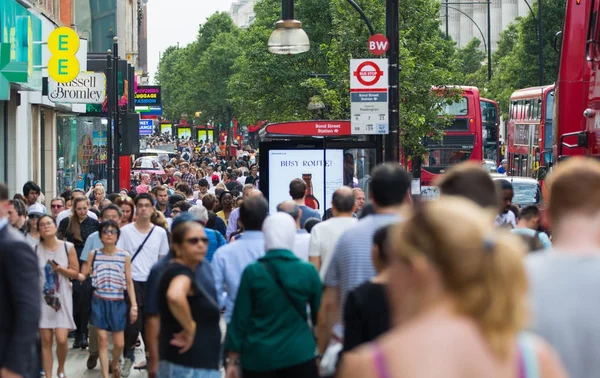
229	72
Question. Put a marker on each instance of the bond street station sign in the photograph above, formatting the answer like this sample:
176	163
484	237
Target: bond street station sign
86	88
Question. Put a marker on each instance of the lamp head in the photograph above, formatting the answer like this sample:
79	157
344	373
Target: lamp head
288	38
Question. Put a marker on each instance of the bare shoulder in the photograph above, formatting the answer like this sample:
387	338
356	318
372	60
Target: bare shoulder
357	364
548	361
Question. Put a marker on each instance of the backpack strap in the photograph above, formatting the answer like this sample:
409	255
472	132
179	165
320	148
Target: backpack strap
142	245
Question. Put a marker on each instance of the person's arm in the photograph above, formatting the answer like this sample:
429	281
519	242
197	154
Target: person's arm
242	313
87	248
21	274
180	309
314	252
315	298
232	225
217	267
164	244
85	268
548	361
328	315
71	271
133	314
152	319
352	323
152	340
357	365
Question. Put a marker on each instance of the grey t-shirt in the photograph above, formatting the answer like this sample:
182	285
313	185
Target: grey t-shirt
565	291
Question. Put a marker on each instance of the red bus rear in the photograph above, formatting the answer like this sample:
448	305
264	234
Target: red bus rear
577	106
462	140
530	130
490	121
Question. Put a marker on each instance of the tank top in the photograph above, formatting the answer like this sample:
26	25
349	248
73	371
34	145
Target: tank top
108	275
527	359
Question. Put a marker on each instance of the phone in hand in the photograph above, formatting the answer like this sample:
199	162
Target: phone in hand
54	262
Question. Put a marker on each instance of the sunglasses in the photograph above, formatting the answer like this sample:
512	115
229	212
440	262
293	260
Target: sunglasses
110	232
56	206
194	241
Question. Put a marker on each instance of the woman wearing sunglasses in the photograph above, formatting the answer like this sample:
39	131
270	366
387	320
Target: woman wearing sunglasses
190	337
110	268
57	261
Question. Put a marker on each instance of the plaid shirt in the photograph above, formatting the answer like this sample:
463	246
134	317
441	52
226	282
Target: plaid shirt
190	179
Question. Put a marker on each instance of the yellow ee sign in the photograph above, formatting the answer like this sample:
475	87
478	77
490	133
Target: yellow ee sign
63	44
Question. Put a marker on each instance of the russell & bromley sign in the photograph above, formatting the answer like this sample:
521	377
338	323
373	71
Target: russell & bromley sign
86	88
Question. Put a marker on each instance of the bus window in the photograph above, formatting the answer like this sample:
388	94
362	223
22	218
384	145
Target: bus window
458	108
549	121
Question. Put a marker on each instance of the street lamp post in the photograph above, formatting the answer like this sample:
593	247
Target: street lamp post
294	43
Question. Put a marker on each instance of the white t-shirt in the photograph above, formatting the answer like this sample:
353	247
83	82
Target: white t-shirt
301	245
154	249
324	237
65	213
506	219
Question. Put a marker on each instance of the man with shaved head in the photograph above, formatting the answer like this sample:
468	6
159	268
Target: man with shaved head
325	234
302	237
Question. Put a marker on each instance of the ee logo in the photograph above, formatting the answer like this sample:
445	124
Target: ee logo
63	44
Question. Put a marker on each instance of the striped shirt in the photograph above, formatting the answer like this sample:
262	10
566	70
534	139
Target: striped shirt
351	263
108	275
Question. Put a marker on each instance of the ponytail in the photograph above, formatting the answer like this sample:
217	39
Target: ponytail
481	267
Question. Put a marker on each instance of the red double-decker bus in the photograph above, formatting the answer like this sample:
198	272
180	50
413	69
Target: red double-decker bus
490	122
577	100
530	130
462	140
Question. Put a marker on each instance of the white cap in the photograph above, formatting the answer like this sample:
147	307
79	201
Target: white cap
36	209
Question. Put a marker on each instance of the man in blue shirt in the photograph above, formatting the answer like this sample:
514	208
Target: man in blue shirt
298	191
230	261
204	278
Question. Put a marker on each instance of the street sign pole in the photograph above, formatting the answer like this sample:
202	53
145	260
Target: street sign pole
109	105
117	109
392	140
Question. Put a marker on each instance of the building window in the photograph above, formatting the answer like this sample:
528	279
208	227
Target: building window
81	154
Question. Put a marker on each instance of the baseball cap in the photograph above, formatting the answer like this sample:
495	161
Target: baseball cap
184	217
36	209
214	177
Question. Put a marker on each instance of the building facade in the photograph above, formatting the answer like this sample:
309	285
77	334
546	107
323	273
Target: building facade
242	12
462	20
56	144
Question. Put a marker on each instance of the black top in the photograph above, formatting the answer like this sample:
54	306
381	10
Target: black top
366	314
88	227
205	352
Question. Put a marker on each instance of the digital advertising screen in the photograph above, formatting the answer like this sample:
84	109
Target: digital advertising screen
286	165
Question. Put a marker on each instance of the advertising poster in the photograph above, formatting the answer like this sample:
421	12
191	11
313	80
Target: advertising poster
286	165
165	128
184	132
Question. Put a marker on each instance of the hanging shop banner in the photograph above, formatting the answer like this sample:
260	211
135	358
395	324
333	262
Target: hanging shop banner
286	165
86	88
146	127
148	100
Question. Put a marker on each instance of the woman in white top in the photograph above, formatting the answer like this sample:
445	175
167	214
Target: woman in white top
57	261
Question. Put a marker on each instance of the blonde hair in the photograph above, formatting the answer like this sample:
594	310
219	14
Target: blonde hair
481	267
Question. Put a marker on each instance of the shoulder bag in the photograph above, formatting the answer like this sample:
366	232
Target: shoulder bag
274	275
142	245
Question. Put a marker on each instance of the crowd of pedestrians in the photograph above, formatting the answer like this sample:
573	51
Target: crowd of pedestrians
468	285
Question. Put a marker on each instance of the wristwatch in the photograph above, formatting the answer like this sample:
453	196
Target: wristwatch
234	361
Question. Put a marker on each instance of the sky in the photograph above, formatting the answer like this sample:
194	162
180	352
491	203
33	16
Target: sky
172	21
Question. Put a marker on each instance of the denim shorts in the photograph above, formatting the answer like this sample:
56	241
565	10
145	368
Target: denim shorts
108	315
168	369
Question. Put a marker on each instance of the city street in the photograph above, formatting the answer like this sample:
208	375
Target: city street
77	358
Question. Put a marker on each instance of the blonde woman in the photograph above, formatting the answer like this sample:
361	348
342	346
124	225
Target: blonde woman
458	293
99	196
